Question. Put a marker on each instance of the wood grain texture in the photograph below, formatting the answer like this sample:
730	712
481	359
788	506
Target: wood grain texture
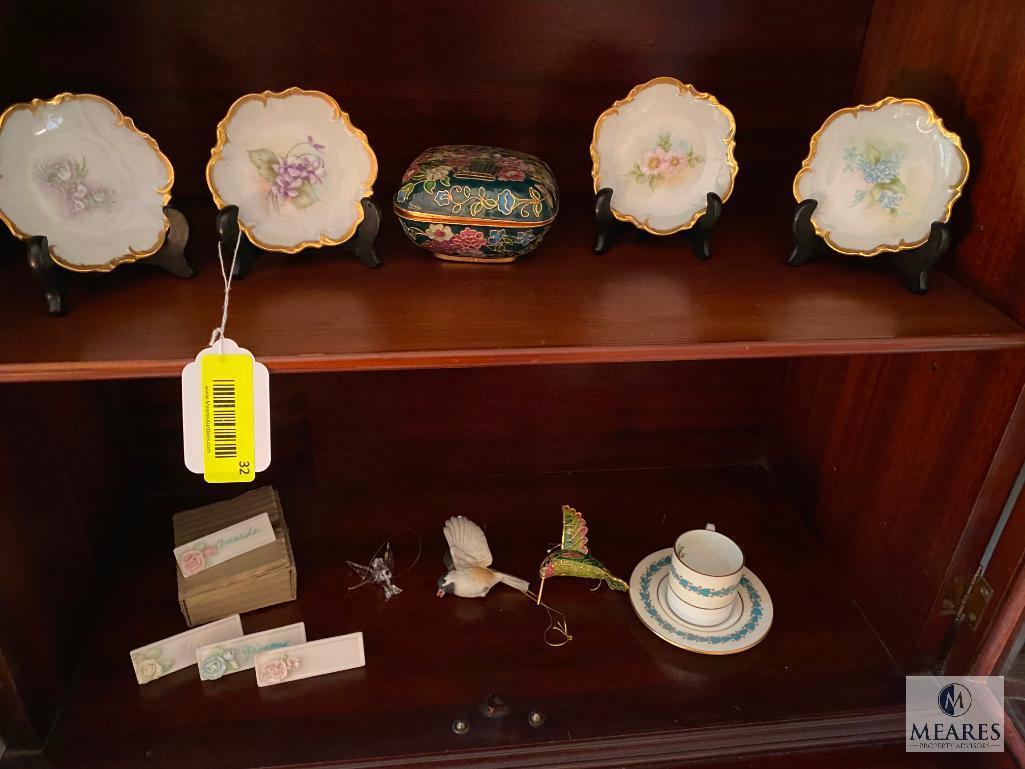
609	756
529	75
17	732
375	426
648	299
965	60
886	457
432	660
987	649
61	498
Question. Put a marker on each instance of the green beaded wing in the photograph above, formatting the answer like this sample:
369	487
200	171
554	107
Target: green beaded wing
573	558
574	530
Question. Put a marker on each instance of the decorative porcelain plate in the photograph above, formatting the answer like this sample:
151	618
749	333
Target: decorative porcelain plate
661	150
77	171
296	167
746	625
881	174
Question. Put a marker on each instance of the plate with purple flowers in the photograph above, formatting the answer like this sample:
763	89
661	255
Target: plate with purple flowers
661	150
296	167
881	174
78	171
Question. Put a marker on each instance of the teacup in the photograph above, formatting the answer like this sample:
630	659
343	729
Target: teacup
705	573
696	616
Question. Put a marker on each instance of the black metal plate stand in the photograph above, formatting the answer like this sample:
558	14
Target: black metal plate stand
52	278
608	226
913	264
361	243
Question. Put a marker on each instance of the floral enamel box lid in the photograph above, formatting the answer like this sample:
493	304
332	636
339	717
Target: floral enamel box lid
476	203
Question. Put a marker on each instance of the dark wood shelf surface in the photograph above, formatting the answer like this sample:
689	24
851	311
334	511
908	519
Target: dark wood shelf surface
820	678
647	299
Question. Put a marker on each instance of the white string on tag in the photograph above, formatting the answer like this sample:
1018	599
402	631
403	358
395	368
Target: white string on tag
217	335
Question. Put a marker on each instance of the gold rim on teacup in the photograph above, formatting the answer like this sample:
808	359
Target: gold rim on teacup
706	568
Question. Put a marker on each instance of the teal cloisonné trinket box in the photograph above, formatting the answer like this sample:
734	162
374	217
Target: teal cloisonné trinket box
468	203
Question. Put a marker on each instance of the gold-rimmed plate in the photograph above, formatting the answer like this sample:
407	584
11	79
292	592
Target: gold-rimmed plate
77	171
661	150
881	174
296	167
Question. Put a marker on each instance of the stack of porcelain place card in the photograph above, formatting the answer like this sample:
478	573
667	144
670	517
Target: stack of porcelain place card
220	648
233	557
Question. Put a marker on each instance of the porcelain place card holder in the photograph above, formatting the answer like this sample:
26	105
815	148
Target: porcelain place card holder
179	651
316	658
220	546
237	654
705	574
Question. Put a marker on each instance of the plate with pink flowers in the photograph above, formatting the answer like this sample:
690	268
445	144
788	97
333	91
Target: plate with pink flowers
296	167
76	170
661	150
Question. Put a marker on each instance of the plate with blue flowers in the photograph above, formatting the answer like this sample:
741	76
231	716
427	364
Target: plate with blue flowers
739	632
881	174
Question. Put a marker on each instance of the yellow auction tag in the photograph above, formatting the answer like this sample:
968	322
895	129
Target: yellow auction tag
229	450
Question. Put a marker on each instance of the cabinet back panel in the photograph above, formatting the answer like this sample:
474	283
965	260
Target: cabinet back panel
368	426
886	456
530	74
62	491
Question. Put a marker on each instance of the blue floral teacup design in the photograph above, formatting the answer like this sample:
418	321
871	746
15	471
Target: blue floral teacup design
705	573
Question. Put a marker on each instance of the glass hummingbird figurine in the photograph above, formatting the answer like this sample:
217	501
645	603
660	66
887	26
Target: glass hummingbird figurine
379	572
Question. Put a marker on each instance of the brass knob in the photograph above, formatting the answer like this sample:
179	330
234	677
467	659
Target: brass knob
536	718
460	726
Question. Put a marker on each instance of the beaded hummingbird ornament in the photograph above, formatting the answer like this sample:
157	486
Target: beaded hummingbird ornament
573	557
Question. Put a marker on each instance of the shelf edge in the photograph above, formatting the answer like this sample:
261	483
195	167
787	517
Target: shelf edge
70	371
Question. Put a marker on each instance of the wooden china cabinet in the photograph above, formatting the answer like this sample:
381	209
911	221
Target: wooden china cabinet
862	444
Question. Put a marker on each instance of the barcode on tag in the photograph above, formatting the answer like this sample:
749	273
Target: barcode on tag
227	419
225	424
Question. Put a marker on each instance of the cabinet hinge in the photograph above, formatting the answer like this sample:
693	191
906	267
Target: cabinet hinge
968	599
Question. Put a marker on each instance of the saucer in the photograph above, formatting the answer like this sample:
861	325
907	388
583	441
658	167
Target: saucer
881	174
661	150
296	167
740	631
78	171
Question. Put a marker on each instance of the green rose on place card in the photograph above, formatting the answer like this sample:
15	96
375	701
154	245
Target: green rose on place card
158	659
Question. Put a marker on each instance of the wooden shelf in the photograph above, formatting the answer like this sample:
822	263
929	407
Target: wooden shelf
820	678
648	299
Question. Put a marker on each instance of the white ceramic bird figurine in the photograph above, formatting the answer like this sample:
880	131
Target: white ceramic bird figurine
468	560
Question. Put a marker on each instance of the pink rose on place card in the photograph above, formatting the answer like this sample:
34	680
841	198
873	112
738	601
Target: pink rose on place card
275	671
210	551
192	562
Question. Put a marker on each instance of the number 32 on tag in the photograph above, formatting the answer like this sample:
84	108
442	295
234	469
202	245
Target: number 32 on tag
225	414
